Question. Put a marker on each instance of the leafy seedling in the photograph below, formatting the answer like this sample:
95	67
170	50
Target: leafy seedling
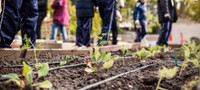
143	53
166	73
124	53
27	73
67	61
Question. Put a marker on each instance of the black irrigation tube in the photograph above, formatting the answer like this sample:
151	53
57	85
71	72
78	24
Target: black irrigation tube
20	66
113	77
53	63
51	69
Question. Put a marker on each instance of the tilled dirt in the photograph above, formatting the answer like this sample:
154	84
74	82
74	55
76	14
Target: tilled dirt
146	79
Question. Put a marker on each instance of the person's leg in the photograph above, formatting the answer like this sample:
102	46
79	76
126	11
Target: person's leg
114	31
29	17
138	37
63	31
87	26
39	23
10	17
107	9
144	30
169	27
54	31
79	32
163	34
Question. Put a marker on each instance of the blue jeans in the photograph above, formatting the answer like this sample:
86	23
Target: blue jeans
18	14
165	33
84	26
55	31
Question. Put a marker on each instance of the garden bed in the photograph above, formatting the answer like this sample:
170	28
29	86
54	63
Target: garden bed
76	78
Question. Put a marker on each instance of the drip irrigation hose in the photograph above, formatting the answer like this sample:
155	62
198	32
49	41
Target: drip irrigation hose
51	69
53	63
113	77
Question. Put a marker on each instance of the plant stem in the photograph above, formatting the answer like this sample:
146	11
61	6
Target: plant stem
35	80
182	68
159	83
21	79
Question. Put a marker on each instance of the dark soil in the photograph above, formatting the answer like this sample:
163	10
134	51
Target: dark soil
75	78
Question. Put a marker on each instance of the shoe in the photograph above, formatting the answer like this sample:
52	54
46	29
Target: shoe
77	47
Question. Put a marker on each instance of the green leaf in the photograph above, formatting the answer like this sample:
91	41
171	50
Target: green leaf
97	54
102	56
94	60
115	57
102	43
44	70
29	78
95	69
11	76
195	62
89	70
63	63
167	73
27	72
45	84
104	34
17	81
108	64
107	57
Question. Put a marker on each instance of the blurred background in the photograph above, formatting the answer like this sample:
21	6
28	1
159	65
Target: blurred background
188	23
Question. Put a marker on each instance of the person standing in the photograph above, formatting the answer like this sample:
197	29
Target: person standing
84	14
60	18
42	7
107	9
167	15
140	20
16	15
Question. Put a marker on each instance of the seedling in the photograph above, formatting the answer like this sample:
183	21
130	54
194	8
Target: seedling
124	53
27	73
99	59
28	45
166	73
153	50
67	61
143	53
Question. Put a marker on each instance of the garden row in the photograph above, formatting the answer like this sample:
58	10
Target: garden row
123	69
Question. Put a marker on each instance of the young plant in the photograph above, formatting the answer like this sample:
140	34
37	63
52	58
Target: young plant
99	59
28	45
166	73
153	50
143	53
124	53
27	73
67	61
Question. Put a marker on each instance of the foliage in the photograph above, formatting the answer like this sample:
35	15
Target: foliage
191	53
189	9
98	59
27	41
166	73
191	84
27	73
67	61
124	53
143	53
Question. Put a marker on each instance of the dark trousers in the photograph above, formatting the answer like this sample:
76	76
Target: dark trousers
83	30
165	33
109	21
39	23
141	32
18	14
